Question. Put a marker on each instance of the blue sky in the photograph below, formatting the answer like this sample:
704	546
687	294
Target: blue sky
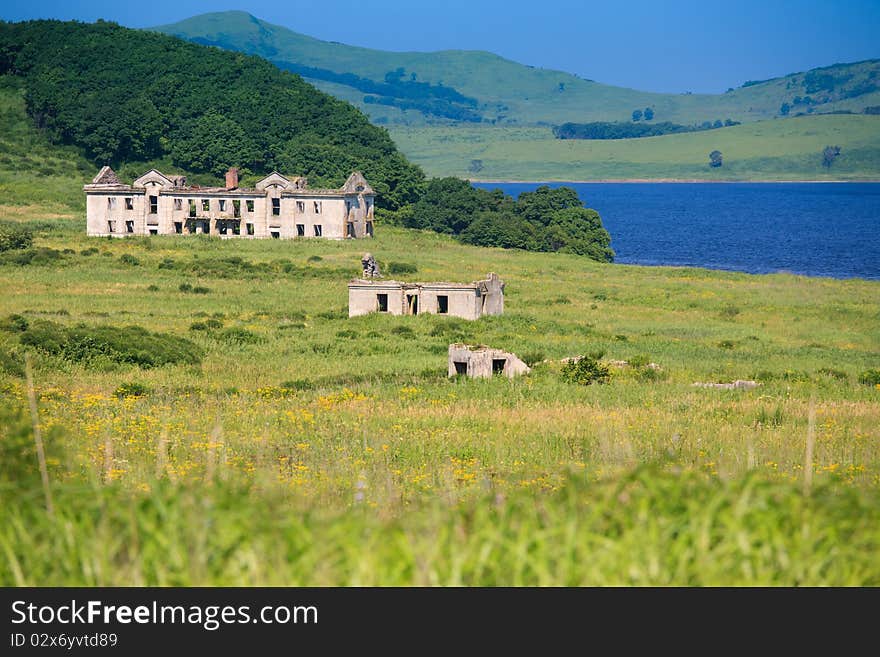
656	45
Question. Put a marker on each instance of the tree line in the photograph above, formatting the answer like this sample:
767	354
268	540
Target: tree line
543	220
620	130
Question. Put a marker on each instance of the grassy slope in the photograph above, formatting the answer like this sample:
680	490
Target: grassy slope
459	479
517	92
787	149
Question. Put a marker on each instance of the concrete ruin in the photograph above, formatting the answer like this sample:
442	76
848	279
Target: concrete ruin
464	300
481	362
277	206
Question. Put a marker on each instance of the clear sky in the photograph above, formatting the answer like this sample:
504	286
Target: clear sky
655	45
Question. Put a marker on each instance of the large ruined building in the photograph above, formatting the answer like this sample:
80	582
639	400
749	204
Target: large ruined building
465	300
276	207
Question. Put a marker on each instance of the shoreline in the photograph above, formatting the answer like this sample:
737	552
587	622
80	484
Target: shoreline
669	181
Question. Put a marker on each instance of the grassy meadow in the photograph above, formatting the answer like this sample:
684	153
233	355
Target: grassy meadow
783	149
306	448
309	448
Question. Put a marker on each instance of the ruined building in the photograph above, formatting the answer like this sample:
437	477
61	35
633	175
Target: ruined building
465	300
276	207
481	362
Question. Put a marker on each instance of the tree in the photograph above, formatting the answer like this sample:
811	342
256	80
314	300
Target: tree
784	109
649	114
540	205
637	115
580	231
829	154
717	124
476	166
715	159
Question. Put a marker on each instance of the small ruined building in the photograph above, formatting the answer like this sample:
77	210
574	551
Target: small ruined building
465	300
277	207
482	362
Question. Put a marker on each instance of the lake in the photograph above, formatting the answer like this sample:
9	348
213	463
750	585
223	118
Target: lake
816	229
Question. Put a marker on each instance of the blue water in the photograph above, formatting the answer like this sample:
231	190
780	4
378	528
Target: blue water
816	229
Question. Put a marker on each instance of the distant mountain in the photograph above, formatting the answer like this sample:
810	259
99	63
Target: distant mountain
414	88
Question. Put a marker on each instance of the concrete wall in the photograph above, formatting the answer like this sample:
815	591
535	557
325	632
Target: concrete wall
479	362
363	298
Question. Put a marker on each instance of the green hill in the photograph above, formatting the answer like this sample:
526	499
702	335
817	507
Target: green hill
502	91
123	96
789	149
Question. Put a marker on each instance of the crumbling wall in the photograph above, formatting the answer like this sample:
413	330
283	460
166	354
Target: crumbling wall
483	362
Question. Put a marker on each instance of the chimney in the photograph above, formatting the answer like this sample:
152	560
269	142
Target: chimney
232	178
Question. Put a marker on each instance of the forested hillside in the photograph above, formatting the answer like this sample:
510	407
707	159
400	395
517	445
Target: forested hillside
125	95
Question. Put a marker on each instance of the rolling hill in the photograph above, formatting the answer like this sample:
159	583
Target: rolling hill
414	88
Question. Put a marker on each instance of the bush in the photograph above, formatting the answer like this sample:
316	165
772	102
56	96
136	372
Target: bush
89	251
128	259
14	237
14	323
401	268
639	360
38	256
403	331
870	377
152	288
200	290
532	358
185	287
167	263
131	389
128	344
315	258
585	371
11	364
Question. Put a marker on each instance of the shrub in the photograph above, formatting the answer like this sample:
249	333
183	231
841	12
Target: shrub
213	323
128	344
403	331
315	258
198	326
14	323
152	288
401	268
185	287
621	338
38	256
11	364
239	336
585	371
532	358
639	360
870	377
128	259
347	333
131	389
89	251
14	237
200	290
834	374
167	263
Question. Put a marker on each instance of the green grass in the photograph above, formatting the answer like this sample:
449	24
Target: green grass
789	149
341	442
510	92
309	448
